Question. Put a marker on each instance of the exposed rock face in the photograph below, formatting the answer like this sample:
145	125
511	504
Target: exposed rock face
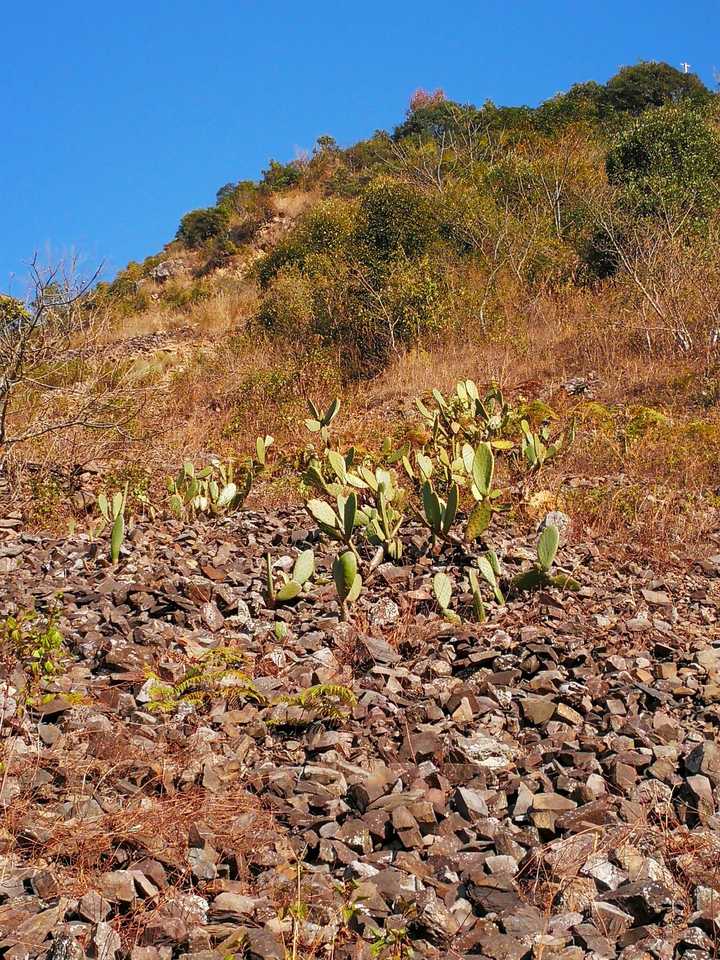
545	784
167	269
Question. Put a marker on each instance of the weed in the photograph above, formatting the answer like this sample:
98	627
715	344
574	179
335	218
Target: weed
35	640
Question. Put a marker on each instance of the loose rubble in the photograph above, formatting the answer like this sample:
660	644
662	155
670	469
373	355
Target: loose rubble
544	785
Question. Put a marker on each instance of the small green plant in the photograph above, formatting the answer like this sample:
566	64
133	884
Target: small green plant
322	702
478	605
216	489
220	674
442	588
113	513
292	586
466	417
35	640
348	581
383	518
438	514
391	944
338	525
480	466
539	575
489	568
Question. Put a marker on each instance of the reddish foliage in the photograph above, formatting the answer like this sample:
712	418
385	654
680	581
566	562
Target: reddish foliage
424	98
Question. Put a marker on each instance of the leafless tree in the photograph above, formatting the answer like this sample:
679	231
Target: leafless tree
57	325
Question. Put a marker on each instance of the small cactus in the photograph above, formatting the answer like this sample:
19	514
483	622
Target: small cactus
348	581
113	512
292	586
442	588
539	575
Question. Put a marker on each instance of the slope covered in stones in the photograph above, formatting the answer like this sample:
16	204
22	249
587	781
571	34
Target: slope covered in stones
544	784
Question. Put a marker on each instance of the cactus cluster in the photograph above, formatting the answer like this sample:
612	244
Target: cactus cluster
539	574
216	489
465	416
537	448
337	524
320	422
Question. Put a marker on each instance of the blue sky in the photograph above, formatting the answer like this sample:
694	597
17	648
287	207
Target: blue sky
117	118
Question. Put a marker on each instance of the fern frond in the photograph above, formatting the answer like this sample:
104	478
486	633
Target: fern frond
218	675
324	701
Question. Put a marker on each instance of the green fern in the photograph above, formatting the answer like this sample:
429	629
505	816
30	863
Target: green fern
218	675
324	701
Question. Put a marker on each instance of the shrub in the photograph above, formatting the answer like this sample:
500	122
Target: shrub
181	296
247	207
287	307
12	313
415	299
199	226
396	217
35	641
599	255
281	176
667	162
220	252
580	103
325	229
649	84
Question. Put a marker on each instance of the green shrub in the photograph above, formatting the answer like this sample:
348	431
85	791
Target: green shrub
287	306
324	230
35	641
281	176
581	103
12	313
199	226
650	84
396	217
247	207
667	163
182	297
220	252
328	227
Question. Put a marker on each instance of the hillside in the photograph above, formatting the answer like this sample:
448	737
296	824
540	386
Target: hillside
565	253
360	554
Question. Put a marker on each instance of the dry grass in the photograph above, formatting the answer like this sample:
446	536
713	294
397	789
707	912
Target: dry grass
230	382
551	878
154	824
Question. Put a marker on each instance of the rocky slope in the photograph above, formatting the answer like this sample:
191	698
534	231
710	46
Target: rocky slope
544	785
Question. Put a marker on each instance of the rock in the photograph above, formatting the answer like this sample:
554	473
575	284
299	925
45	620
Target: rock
118	885
385	613
485	791
263	944
31	933
380	651
470	804
167	269
560	520
487	751
231	905
610	919
93	907
106	941
646	900
705	759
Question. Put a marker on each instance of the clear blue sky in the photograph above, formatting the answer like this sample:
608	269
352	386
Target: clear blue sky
117	118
